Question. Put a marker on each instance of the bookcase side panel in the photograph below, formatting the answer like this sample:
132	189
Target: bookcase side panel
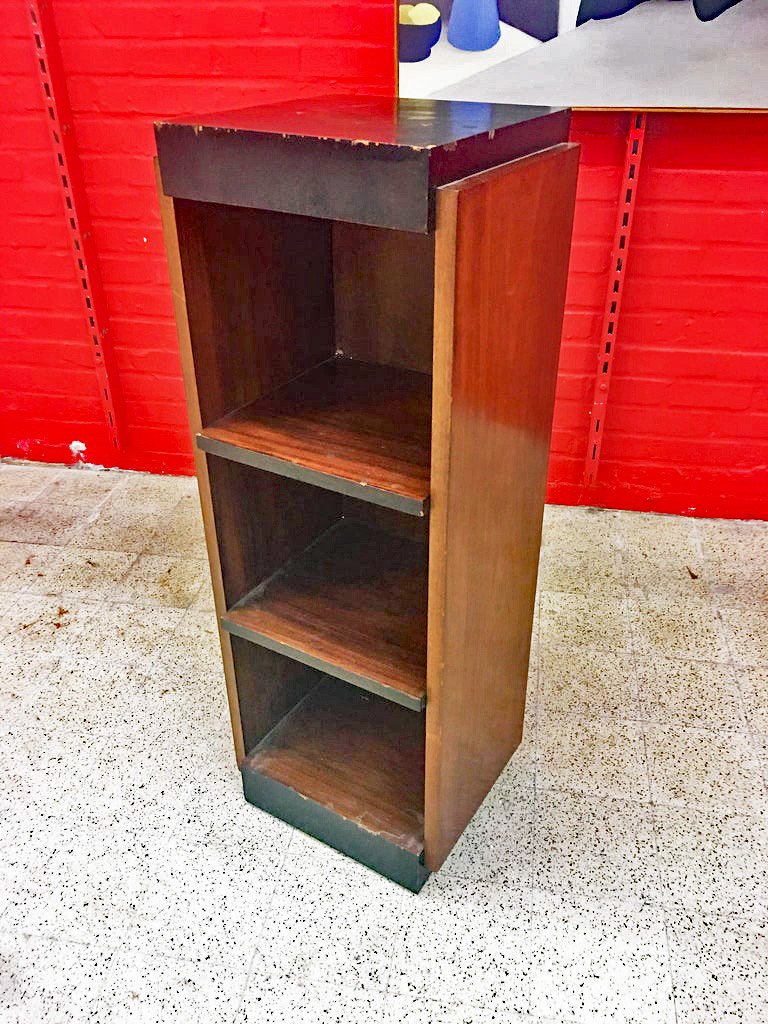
193	409
502	260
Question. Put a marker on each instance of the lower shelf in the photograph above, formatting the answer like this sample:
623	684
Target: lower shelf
348	767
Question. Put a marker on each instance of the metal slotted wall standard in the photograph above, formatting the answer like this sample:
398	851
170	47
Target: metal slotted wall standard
686	430
125	64
76	213
609	335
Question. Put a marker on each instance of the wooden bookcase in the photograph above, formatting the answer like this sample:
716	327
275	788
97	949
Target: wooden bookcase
369	297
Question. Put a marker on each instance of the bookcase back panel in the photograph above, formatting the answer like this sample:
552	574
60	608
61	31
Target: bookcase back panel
269	686
263	521
388	519
259	292
384	297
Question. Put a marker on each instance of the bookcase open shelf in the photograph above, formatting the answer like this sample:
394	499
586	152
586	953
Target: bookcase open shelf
354	604
352	427
355	763
369	298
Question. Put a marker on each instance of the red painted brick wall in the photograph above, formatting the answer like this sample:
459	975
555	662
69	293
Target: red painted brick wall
687	421
687	426
129	62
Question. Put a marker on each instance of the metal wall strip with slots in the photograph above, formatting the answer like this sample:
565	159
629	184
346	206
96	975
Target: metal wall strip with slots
619	255
51	76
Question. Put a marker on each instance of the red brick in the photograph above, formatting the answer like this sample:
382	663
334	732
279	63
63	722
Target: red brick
128	63
686	424
685	428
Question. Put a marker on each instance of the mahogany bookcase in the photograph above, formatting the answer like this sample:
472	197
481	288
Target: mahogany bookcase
369	298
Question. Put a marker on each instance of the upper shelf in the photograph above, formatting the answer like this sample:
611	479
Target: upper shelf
355	428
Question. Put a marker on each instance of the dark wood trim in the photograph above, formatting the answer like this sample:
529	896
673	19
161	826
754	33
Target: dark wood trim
382	185
361	160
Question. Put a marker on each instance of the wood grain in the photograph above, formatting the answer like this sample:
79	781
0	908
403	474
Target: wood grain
263	521
170	234
366	424
355	600
259	300
358	755
383	296
502	260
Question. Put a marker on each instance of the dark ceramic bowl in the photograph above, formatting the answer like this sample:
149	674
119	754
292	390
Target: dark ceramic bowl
416	41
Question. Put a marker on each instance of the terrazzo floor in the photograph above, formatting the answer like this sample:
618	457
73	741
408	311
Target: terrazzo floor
618	871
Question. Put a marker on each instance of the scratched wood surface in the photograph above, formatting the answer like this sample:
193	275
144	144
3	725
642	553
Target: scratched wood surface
358	159
357	754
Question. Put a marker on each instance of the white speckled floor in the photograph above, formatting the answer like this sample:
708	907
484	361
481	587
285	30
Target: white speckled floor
617	872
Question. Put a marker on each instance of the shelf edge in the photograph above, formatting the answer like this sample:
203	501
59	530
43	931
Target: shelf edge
294	471
389	693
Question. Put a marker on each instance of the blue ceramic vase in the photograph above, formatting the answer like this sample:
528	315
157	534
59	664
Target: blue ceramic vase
474	24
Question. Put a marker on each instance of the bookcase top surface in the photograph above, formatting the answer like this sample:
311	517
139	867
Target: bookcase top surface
371	120
365	160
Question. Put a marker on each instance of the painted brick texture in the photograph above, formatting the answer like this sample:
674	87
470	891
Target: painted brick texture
687	421
128	63
48	391
687	424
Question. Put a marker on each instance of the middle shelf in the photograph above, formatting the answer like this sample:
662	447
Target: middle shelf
353	604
